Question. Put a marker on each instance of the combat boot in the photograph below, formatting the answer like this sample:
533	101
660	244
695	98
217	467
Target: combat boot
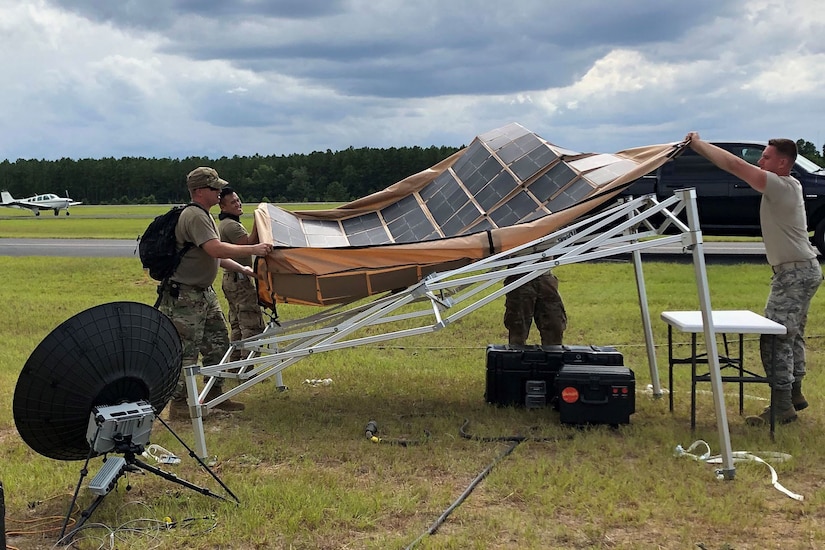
799	401
228	405
785	412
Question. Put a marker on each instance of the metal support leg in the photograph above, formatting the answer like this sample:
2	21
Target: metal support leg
741	372
195	408
770	383
670	365
648	330
693	361
728	470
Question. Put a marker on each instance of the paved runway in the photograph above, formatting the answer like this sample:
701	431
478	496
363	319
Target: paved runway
91	248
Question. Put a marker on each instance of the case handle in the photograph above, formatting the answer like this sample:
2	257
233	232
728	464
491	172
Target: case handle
587	401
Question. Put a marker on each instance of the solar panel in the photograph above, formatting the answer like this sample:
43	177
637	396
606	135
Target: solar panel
507	187
504	177
365	230
500	187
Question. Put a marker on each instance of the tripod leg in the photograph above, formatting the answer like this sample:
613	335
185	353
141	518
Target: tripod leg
200	461
172	477
83	517
83	472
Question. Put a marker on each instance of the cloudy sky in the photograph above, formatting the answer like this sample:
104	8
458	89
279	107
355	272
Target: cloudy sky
174	78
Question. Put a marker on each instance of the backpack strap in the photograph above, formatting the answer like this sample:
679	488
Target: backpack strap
160	288
187	246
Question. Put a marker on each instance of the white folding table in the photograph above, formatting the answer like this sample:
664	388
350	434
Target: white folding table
739	322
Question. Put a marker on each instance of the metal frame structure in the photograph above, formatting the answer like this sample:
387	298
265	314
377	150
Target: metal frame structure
443	298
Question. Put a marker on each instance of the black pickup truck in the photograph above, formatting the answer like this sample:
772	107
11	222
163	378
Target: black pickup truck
726	204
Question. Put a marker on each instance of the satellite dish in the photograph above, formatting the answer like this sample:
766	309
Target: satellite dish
109	354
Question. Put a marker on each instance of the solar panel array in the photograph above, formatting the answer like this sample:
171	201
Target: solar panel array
505	177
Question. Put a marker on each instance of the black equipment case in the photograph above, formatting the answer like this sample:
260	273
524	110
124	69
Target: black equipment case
524	376
595	394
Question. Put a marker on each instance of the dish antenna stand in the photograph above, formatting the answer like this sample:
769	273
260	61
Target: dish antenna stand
124	429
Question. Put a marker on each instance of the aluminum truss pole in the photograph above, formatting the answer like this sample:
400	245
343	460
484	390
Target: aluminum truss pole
443	298
648	329
728	470
195	411
646	325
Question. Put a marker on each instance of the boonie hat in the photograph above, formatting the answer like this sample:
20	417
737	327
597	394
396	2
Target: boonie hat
204	176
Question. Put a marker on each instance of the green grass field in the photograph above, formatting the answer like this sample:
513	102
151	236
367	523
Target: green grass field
307	477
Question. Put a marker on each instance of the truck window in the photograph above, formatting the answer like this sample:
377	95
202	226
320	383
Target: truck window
688	166
692	170
751	154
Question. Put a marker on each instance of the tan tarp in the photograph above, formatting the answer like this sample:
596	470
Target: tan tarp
328	275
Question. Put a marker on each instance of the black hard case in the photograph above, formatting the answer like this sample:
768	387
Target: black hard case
606	394
510	368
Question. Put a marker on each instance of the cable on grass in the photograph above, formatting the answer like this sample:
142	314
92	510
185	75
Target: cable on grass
110	537
371	431
515	441
148	528
519	438
38	526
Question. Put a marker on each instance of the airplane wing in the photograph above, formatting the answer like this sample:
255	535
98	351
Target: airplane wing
34	206
23	204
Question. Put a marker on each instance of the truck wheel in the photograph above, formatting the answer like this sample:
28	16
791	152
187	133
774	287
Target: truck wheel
819	237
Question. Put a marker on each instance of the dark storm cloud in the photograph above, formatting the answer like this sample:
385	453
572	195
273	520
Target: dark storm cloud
435	49
164	78
161	14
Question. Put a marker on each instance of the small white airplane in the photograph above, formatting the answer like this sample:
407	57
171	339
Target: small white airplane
47	201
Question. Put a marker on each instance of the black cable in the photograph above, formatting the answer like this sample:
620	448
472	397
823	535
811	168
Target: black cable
514	439
434	527
518	438
371	431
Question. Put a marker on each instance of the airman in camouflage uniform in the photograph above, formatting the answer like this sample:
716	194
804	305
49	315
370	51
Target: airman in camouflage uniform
537	300
188	298
245	318
198	317
791	292
796	271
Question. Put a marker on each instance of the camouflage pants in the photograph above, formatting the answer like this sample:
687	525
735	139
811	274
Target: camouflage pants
788	303
201	326
245	317
537	300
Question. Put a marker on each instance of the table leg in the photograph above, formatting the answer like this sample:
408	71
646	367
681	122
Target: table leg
693	381
741	375
770	383
670	365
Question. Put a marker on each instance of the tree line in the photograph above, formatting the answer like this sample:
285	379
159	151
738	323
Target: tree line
330	176
339	176
809	151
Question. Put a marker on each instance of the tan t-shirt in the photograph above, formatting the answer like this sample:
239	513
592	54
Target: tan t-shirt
784	226
197	268
231	231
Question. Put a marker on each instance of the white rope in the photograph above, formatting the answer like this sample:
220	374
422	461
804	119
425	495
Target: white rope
741	456
315	382
160	454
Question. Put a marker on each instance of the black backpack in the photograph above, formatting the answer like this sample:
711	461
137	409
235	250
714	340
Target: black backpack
158	248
